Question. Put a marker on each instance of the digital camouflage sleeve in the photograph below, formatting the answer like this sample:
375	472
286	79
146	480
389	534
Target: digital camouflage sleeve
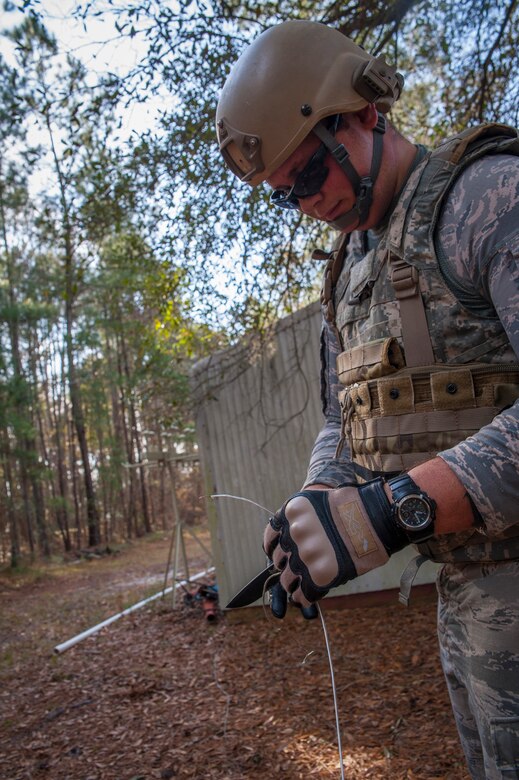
324	468
478	243
479	234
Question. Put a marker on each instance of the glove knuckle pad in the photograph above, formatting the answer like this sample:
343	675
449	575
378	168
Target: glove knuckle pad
305	534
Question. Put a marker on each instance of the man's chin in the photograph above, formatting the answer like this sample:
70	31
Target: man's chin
345	223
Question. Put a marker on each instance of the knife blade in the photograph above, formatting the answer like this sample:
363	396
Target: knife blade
253	590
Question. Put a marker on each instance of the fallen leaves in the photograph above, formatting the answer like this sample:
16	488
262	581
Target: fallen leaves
170	695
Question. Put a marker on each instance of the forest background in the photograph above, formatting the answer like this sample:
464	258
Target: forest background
128	251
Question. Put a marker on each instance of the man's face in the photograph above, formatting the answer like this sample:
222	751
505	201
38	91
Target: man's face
336	195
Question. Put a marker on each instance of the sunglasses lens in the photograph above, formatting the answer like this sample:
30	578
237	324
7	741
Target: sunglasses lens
307	183
311	180
285	199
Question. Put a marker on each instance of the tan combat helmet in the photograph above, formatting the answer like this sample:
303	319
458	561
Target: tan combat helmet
289	79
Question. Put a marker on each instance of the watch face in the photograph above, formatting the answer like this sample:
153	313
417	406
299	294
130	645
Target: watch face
414	513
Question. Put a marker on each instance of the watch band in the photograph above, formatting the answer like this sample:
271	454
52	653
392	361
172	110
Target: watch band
390	533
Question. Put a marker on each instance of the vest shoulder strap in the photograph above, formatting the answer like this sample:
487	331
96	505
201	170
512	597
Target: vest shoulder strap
415	329
489	138
332	271
457	152
472	138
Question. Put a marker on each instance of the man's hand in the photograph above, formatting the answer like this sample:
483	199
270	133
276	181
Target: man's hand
321	539
279	596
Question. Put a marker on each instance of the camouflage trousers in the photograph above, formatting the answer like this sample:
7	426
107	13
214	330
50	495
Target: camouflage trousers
478	628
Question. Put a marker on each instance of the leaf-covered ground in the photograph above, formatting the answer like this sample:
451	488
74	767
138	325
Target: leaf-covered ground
163	693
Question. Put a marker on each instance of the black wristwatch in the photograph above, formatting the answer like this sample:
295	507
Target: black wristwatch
412	509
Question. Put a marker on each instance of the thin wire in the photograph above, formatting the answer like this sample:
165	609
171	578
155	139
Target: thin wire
332	677
325	632
241	498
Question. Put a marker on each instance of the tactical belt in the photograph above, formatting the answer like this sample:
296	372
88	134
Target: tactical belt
431	407
434	388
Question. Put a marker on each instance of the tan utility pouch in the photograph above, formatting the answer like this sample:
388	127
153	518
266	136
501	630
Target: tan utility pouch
369	361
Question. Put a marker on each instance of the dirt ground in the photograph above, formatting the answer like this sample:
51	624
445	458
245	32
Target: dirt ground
164	693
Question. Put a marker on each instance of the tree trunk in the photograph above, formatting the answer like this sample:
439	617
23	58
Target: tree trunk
60	513
14	536
121	509
58	424
131	520
135	438
73	384
29	476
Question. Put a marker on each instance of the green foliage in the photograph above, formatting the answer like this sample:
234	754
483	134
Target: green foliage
142	253
459	63
87	303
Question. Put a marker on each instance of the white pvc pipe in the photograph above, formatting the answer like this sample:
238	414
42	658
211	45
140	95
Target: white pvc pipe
79	637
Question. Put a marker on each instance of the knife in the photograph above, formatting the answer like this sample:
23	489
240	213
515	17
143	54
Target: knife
254	589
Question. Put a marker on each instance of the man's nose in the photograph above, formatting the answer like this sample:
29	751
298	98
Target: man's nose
313	204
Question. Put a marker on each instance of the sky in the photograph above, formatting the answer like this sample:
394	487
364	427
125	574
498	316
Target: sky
100	48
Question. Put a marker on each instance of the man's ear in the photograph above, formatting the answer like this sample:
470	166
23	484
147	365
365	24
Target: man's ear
368	116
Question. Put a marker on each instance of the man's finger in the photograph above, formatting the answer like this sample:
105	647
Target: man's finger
270	540
278	601
311	612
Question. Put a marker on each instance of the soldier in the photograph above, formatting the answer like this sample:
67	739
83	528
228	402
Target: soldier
420	344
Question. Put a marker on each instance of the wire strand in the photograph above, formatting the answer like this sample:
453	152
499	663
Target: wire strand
332	677
325	632
242	498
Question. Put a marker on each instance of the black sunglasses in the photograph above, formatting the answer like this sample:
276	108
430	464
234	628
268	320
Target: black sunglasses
308	181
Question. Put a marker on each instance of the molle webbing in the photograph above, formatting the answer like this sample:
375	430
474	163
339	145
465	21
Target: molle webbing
394	422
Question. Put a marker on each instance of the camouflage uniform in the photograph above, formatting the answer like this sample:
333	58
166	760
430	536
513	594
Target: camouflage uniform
462	235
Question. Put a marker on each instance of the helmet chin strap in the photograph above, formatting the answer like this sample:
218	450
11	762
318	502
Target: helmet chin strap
362	186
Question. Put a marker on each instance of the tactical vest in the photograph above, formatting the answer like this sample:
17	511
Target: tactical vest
421	371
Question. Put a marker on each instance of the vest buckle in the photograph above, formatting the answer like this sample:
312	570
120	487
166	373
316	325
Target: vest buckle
404	278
